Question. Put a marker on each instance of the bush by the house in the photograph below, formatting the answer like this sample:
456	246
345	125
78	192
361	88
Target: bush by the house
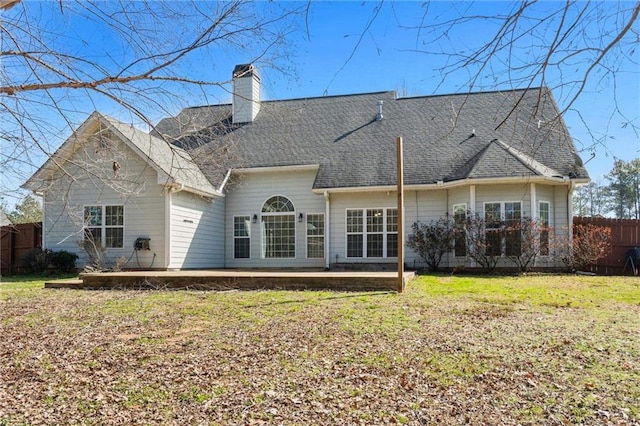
36	260
590	243
431	241
484	241
63	261
524	242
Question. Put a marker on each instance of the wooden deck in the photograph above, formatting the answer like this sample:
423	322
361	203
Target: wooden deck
236	279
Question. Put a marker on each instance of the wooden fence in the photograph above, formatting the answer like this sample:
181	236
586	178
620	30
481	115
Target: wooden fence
15	241
625	235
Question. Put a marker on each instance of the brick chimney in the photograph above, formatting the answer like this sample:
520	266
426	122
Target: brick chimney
246	93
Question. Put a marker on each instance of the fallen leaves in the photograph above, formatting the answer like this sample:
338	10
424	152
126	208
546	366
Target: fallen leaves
290	358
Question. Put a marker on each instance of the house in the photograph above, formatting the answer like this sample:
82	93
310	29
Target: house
305	183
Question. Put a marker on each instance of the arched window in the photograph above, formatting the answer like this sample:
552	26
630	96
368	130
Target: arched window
278	228
278	204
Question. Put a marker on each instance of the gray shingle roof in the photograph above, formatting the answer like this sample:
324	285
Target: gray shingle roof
446	137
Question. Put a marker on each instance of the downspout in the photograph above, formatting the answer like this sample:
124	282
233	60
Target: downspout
327	212
167	230
224	181
44	218
570	210
533	216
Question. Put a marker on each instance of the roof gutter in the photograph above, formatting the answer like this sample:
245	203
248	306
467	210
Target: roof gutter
452	184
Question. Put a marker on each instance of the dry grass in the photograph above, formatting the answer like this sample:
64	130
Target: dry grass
500	350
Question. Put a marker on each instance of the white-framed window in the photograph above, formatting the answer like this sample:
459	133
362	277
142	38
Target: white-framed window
104	225
493	223
544	218
278	228
499	215
392	232
372	233
315	235
513	235
355	233
460	240
241	237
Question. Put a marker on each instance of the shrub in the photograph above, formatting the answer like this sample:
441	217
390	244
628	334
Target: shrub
484	244
524	239
36	260
64	261
590	243
96	254
432	241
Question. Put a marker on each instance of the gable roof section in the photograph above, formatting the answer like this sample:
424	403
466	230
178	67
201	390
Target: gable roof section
446	137
498	156
174	165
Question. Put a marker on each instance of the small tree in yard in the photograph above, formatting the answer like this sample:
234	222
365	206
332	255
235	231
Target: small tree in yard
590	243
523	239
431	241
484	240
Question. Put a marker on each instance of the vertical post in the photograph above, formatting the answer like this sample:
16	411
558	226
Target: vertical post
400	168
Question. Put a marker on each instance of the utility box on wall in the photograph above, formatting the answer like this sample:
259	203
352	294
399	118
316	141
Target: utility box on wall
142	243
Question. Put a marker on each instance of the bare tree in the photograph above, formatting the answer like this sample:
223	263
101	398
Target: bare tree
563	45
61	60
575	48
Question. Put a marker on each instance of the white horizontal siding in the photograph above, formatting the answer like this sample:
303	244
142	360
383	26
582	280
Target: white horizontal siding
197	232
94	183
247	197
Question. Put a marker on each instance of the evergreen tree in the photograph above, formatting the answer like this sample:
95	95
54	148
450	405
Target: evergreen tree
27	211
624	189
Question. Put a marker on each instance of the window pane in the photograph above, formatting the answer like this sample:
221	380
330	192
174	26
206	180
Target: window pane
492	215
277	204
459	213
544	211
113	237
544	214
315	247
392	220
374	245
460	240
93	234
315	236
392	245
93	215
278	236
114	216
241	248
374	220
354	245
544	242
494	243
513	242
512	211
241	226
315	224
354	221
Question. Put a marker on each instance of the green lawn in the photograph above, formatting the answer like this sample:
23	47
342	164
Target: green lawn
484	350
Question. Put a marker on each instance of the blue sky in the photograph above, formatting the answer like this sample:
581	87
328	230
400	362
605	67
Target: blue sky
355	47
